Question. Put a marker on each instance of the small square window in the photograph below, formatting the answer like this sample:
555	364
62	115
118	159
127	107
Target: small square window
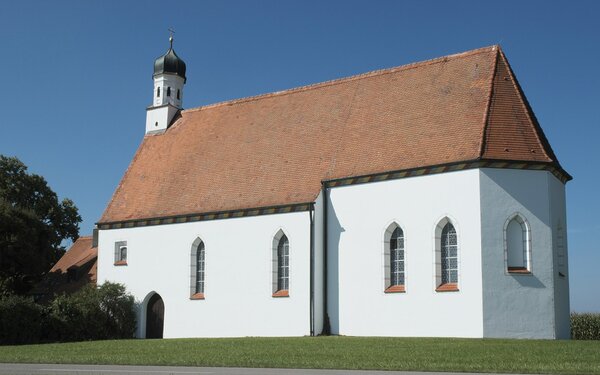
121	253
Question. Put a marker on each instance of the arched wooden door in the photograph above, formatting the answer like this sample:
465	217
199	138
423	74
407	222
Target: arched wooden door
155	316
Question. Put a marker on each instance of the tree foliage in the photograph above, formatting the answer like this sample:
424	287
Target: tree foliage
33	225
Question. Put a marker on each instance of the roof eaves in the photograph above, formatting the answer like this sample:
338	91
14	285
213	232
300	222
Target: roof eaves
211	215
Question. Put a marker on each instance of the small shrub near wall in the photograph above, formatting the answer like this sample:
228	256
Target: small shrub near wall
585	326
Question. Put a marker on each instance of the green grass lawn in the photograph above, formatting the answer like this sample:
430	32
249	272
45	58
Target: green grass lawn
418	354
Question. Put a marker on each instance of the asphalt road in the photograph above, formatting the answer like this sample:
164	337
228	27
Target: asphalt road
37	369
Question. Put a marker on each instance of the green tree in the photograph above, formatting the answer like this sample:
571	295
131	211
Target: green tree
33	226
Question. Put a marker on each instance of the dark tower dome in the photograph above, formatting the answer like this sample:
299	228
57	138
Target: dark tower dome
170	63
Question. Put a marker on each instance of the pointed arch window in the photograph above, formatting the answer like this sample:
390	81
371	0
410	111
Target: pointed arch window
168	91
449	255
446	256
517	245
397	257
158	92
394	259
198	269
281	265
178	94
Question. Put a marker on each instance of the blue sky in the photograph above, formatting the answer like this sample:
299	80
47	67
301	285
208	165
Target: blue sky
76	78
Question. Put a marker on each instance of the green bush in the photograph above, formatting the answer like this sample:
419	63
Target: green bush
585	326
106	312
118	310
21	320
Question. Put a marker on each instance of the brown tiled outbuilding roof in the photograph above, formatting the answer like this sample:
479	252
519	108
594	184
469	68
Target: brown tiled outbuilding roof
75	269
79	254
276	149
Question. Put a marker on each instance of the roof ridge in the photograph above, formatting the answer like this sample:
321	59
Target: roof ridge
486	115
540	136
351	78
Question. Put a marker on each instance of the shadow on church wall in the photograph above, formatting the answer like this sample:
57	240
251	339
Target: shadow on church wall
334	234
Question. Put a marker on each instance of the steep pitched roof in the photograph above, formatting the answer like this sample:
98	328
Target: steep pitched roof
512	131
275	149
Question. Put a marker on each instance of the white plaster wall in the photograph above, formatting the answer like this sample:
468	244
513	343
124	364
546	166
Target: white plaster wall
163	81
158	119
238	283
332	308
358	216
318	275
516	305
558	212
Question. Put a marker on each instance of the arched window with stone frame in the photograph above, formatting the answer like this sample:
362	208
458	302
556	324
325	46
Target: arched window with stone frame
394	259
280	265
446	256
120	253
197	269
517	244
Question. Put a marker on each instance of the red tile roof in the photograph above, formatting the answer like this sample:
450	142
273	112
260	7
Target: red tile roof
275	149
80	253
81	259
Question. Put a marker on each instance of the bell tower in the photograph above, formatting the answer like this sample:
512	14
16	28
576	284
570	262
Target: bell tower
167	97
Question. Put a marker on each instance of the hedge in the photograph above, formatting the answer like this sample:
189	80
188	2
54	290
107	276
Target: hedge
585	326
106	312
21	320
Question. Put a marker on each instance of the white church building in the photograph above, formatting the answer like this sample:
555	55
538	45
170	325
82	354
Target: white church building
421	200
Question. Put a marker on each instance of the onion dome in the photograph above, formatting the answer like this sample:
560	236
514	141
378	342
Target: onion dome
170	63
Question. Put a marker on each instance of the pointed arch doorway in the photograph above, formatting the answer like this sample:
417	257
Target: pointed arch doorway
155	317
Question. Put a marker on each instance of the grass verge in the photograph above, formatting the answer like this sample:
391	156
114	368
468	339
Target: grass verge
410	354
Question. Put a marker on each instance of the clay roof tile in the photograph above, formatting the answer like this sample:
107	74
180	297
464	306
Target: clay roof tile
275	149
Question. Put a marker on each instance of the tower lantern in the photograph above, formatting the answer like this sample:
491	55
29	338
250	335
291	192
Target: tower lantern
169	78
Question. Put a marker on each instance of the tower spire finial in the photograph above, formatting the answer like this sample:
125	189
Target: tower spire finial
171	32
